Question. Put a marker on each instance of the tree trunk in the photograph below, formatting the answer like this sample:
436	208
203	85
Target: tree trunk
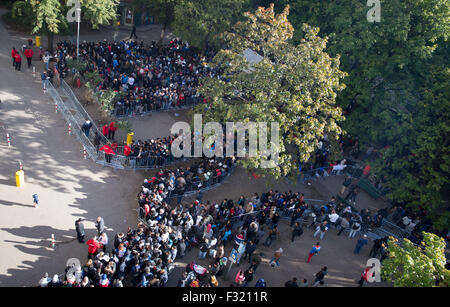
161	37
50	37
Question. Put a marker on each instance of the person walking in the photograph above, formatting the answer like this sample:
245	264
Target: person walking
86	127
314	251
133	32
29	55
105	130
291	283
360	243
18	59
44	79
79	227
13	55
112	131
297	231
35	200
364	276
93	247
272	235
100	225
275	261
375	248
97	139
295	215
249	250
354	229
320	276
344	225
322	228
46	58
248	275
346	184
103	241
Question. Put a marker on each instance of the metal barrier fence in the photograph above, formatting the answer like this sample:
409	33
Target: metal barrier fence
122	111
74	121
197	185
66	92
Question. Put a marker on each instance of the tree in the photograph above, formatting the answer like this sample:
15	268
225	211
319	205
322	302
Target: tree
199	22
293	85
50	15
416	166
416	266
164	10
386	102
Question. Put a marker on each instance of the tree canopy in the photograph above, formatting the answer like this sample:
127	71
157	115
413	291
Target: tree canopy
50	15
293	85
199	22
409	265
396	98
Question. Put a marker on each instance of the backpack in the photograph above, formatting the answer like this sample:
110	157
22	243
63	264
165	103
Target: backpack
320	275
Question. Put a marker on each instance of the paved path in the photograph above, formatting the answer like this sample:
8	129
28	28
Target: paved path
68	186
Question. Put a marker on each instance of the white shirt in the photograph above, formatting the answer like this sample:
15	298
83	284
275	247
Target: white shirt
333	217
104	239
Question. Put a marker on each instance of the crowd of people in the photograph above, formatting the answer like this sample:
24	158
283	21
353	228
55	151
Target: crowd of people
150	77
145	256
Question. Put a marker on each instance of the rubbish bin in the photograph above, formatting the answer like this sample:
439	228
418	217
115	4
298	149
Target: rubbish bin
130	138
38	41
20	179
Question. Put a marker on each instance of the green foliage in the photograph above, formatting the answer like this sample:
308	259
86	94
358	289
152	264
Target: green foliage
199	22
412	266
79	65
92	79
124	125
293	85
99	12
107	99
397	89
416	167
50	15
162	9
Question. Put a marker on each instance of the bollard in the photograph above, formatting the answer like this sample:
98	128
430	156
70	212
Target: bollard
20	179
53	241
9	141
70	129
84	153
56	108
20	166
34	71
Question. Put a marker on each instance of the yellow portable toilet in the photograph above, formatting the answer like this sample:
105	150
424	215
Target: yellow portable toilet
20	179
130	138
38	41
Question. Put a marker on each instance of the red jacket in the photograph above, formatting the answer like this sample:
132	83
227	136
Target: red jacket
18	58
105	130
126	150
93	246
13	53
112	128
29	53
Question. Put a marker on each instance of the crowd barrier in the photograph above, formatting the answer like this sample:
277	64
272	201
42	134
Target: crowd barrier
121	111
